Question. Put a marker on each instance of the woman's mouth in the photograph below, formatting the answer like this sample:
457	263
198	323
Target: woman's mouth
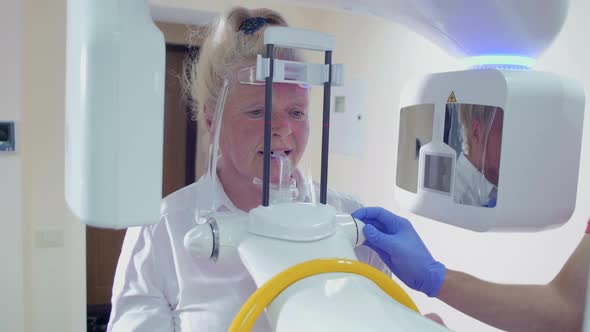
276	154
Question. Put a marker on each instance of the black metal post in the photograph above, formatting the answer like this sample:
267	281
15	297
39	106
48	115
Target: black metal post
267	126
326	131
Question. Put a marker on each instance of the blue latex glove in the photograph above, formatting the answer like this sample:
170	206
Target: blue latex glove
400	247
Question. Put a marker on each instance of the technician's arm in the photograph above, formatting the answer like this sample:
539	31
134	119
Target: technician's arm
557	306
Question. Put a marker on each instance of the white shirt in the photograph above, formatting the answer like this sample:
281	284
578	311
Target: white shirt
159	286
471	187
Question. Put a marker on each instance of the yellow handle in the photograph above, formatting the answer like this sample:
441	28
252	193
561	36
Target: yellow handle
248	314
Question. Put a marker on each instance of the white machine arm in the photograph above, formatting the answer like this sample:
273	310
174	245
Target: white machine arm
467	28
272	239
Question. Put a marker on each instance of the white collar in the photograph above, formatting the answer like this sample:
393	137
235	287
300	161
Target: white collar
220	200
470	174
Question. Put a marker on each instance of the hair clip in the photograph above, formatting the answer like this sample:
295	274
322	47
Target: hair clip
252	24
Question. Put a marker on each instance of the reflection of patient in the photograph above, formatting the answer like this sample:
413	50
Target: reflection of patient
477	168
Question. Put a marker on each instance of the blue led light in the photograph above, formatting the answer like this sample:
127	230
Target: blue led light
500	61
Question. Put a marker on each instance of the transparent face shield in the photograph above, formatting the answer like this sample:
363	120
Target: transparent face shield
482	153
489	197
237	143
482	186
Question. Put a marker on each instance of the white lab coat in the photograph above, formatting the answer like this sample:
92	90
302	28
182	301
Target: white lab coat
159	286
471	187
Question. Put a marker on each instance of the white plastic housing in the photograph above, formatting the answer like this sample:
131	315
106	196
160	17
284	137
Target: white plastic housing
293	221
467	28
114	113
326	302
438	149
218	238
294	72
272	239
298	38
540	150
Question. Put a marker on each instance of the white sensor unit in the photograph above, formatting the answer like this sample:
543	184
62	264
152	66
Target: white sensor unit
490	149
114	113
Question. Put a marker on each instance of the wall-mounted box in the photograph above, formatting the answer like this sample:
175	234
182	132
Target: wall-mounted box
7	136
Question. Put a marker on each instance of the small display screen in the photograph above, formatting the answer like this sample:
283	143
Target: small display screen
438	173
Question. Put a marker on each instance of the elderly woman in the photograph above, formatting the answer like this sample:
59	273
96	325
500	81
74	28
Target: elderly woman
158	285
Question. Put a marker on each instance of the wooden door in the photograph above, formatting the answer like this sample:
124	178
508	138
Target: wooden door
103	246
180	129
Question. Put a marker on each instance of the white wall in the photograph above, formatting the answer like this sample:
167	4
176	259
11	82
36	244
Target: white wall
55	247
11	234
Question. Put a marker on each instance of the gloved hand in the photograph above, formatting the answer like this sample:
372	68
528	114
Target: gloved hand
400	247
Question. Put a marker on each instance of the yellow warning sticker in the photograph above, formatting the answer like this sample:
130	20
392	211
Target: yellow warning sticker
452	98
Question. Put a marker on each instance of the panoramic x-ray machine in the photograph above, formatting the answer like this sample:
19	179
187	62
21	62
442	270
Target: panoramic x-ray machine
113	178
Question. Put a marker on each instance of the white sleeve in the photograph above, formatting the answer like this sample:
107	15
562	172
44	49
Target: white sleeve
139	301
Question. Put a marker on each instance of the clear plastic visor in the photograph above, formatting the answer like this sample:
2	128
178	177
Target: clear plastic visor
237	142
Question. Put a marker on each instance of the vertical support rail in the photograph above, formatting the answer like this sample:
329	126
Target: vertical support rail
326	131
267	126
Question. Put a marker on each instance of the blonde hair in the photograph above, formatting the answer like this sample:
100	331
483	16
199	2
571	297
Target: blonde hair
224	49
471	112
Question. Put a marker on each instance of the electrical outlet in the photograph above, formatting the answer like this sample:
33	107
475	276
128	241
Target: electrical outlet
49	238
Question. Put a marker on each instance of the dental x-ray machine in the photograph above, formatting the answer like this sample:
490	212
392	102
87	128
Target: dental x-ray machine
113	179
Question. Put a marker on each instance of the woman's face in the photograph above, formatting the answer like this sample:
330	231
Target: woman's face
242	131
